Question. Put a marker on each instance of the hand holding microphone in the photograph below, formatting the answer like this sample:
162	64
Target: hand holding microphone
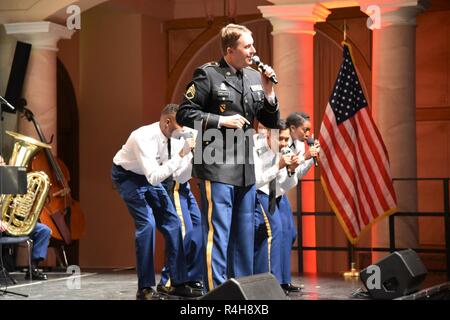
186	135
286	159
189	142
265	69
314	149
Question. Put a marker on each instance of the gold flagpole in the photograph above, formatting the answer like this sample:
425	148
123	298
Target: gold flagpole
345	30
353	273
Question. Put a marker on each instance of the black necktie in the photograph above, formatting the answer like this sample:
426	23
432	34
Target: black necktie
168	184
273	191
240	76
169	148
292	146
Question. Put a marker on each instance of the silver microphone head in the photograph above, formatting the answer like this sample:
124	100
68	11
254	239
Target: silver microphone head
310	141
256	60
178	134
286	151
187	135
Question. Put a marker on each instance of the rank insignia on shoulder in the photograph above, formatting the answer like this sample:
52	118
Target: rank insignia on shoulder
210	64
190	92
222	107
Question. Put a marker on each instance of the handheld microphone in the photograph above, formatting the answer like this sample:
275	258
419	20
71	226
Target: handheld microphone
178	134
262	67
286	151
187	135
310	143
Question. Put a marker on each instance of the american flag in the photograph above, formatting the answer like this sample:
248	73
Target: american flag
355	171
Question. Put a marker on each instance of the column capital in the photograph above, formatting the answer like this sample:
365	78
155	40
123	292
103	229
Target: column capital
41	35
394	12
294	18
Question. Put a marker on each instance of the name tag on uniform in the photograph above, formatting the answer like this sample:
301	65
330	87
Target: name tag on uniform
256	87
223	93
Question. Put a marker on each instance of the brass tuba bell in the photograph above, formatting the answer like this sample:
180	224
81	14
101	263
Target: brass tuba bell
21	212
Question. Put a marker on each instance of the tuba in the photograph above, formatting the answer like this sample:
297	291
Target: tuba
21	211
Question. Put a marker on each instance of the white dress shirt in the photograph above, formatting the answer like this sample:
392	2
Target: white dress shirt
145	153
298	147
184	172
265	171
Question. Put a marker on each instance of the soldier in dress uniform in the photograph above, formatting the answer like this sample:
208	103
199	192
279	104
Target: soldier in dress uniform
221	102
189	214
300	130
275	175
139	169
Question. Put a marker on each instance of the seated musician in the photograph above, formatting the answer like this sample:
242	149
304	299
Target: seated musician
41	237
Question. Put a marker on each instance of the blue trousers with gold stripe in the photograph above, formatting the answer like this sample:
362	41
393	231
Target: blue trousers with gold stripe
151	208
268	237
191	226
289	232
228	219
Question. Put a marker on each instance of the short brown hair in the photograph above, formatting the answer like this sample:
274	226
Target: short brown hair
230	34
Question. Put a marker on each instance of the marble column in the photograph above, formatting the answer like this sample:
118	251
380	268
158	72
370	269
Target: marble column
40	81
394	110
293	52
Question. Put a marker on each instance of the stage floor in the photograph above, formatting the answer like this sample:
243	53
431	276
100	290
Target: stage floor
121	284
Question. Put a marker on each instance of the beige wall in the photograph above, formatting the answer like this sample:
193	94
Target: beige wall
113	60
109	108
154	68
195	8
433	137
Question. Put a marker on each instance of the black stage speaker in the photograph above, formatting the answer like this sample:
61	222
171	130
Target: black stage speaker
17	75
262	286
400	274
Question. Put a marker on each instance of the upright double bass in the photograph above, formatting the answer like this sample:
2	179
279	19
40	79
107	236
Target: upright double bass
61	214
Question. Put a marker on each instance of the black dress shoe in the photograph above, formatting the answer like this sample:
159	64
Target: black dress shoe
196	285
289	287
186	290
147	294
35	275
163	289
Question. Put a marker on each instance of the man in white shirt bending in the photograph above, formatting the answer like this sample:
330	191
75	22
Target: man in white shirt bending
138	170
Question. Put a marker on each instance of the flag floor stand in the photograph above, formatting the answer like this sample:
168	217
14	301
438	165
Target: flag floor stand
353	273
